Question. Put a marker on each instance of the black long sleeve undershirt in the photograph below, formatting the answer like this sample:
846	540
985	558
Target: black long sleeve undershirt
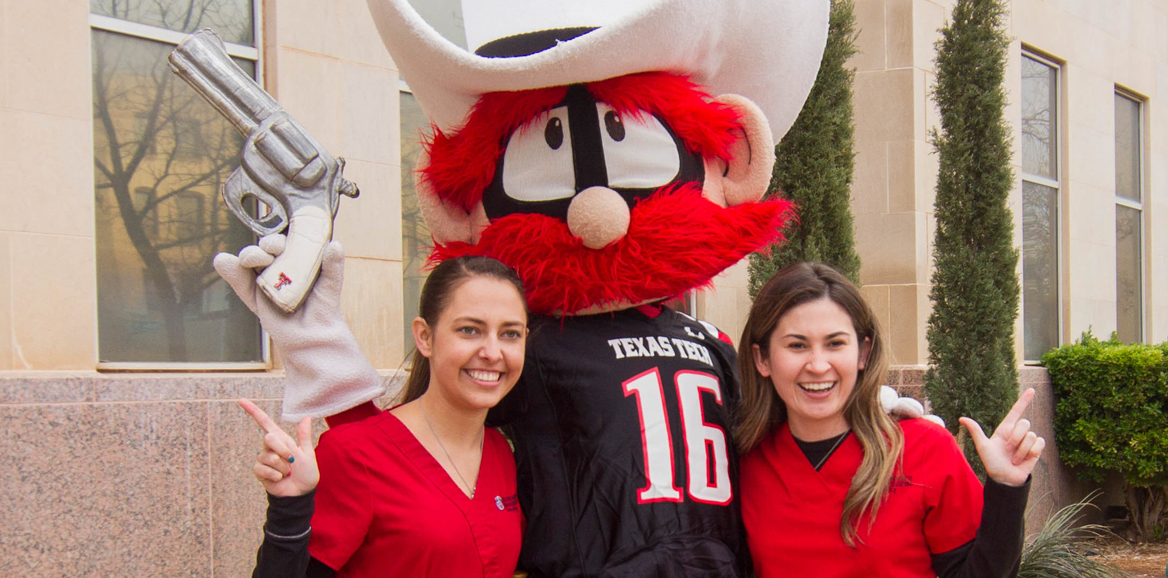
994	553
284	551
996	550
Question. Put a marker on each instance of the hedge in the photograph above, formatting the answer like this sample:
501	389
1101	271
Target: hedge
1112	412
1112	415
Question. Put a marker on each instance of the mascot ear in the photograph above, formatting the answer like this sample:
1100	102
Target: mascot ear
447	222
751	159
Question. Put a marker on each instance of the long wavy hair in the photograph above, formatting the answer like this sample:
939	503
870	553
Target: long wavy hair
761	410
447	277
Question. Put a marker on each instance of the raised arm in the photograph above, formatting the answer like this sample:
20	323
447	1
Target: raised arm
1009	455
288	471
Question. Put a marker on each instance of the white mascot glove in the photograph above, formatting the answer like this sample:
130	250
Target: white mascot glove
904	407
326	372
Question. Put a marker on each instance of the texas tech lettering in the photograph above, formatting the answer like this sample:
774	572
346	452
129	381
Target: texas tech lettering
660	346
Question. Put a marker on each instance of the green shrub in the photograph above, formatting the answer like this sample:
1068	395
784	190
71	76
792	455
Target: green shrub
975	286
1112	415
814	165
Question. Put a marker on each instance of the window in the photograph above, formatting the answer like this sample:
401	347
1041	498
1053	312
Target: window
446	17
416	240
1129	210
160	156
1040	206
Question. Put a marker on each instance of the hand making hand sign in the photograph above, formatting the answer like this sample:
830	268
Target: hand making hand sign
1010	454
286	467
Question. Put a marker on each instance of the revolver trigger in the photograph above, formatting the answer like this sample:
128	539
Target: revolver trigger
273	222
236	190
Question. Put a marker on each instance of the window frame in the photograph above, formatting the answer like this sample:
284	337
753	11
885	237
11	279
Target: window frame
1060	251
1138	206
254	54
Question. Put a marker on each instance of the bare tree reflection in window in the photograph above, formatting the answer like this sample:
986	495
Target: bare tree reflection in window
1039	269
1039	150
1129	281
1128	213
416	240
232	20
1040	202
141	111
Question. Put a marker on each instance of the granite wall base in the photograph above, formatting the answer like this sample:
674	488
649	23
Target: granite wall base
131	474
150	474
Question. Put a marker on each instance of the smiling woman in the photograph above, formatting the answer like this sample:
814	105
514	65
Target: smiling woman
423	489
831	486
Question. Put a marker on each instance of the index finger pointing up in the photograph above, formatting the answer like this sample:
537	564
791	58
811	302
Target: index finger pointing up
259	416
1017	411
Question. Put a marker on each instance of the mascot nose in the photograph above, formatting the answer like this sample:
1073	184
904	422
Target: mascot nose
599	216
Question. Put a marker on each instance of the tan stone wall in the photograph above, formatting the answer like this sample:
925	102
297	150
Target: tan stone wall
47	292
328	67
727	303
892	195
149	474
323	61
1100	46
131	474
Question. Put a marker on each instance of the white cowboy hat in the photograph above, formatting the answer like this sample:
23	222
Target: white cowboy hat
766	50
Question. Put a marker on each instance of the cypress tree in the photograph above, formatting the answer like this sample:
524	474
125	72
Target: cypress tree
814	165
975	285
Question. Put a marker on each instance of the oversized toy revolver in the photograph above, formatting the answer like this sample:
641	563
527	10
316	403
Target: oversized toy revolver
282	166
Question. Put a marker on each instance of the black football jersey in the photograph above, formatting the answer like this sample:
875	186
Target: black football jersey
621	426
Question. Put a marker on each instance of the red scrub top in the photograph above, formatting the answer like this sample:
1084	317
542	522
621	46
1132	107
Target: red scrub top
792	512
385	507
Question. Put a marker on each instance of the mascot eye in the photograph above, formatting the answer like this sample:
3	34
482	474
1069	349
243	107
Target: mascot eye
553	133
537	165
639	151
614	126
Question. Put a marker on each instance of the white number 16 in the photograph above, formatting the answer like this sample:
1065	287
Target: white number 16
702	440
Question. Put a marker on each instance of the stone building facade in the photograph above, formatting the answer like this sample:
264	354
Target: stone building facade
124	453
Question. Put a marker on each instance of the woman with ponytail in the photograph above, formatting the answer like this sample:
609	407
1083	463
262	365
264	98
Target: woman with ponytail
423	489
831	486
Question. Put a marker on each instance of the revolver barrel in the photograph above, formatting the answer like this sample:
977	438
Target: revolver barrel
282	165
202	61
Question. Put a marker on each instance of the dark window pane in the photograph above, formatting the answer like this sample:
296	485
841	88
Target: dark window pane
416	240
232	20
1128	276
159	217
1127	148
1039	119
1040	301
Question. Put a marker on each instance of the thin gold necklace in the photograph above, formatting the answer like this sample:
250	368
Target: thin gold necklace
837	443
447	452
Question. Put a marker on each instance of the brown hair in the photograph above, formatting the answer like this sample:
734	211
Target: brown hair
447	277
762	410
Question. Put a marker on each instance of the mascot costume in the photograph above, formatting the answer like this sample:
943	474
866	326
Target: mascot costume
614	153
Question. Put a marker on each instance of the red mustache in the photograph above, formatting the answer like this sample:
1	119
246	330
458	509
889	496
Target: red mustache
677	241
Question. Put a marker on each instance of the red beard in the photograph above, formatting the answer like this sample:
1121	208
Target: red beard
677	241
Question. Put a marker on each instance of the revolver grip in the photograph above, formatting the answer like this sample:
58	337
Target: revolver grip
289	278
235	191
